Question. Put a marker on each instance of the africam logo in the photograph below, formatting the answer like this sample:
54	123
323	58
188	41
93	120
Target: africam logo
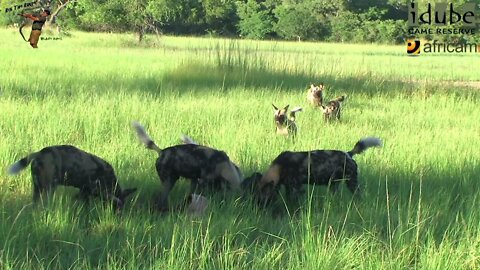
414	47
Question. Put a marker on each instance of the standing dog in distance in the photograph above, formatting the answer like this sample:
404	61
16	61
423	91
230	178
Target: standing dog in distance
322	167
333	108
69	166
190	161
285	125
315	95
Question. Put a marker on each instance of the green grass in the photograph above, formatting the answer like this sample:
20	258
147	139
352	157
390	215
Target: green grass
419	207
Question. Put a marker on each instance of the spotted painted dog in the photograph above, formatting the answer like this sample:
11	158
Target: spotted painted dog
190	161
333	108
249	183
202	183
325	167
285	126
315	95
69	166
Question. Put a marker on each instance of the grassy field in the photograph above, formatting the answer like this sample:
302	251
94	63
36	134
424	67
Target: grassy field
419	207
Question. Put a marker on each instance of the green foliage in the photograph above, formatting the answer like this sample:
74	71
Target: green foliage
102	15
382	21
220	16
296	21
256	20
353	27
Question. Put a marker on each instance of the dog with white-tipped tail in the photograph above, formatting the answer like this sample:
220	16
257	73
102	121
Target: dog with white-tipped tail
69	166
286	125
321	167
191	161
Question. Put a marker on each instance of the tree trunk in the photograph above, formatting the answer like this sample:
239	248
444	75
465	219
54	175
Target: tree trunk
57	11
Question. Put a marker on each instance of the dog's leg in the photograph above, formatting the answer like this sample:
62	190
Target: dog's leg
352	184
44	181
162	202
36	190
83	195
194	186
333	186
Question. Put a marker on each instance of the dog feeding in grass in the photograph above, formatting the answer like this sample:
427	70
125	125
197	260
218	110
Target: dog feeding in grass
69	166
190	161
322	167
187	140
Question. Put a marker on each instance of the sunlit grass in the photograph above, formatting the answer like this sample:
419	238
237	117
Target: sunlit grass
419	207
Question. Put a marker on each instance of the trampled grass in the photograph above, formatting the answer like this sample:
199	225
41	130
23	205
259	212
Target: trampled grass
419	207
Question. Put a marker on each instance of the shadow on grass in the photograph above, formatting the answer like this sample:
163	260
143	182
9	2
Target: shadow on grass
199	78
415	211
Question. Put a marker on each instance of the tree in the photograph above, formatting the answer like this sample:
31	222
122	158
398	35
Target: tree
256	19
296	21
220	16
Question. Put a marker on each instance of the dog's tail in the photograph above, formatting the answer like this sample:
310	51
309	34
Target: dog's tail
364	144
21	164
294	111
340	98
144	138
187	140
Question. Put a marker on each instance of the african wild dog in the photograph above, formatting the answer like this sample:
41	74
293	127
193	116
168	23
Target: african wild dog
69	166
315	95
202	183
190	161
285	126
333	108
248	184
325	167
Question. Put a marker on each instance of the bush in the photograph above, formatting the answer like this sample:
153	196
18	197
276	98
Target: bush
256	20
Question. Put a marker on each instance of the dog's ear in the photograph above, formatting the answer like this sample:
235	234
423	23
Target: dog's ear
275	107
286	107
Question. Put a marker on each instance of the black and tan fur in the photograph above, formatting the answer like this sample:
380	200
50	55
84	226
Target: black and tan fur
249	183
285	125
69	166
325	167
333	108
190	161
315	95
202	183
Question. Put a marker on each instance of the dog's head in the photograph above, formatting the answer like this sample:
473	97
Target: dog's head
249	183
280	115
267	186
317	91
120	196
327	109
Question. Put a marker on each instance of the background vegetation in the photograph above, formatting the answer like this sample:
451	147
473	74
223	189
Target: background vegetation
373	21
420	200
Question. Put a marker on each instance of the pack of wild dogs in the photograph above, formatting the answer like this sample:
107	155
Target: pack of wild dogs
208	169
